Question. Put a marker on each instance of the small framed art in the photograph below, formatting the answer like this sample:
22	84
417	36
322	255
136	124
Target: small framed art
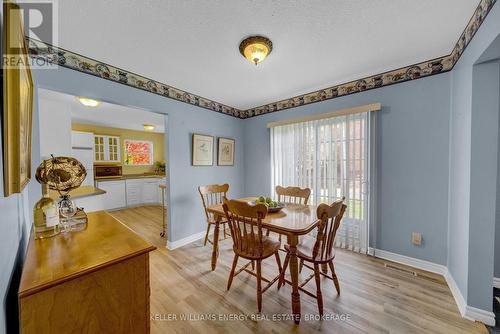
203	150
225	155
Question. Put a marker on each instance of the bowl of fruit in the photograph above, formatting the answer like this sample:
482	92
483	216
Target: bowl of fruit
272	206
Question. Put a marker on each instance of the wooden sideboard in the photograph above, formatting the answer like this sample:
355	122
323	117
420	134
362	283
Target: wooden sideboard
92	281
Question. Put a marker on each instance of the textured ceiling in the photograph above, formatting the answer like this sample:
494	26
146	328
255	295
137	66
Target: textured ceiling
193	45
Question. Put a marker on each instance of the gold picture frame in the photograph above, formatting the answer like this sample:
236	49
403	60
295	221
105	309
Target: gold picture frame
202	150
225	149
17	103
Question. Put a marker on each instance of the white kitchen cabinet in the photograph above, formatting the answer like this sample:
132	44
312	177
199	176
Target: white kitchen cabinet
150	191
131	192
115	196
134	192
80	139
107	148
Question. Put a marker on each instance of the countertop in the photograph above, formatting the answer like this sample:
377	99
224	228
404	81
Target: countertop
52	261
82	191
130	176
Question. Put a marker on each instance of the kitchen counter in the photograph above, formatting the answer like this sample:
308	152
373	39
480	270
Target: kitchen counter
130	176
80	192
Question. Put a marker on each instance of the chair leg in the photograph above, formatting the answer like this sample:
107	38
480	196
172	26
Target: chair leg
335	279
324	268
225	231
253	265
259	286
206	235
231	274
301	265
267	233
281	280
318	289
278	261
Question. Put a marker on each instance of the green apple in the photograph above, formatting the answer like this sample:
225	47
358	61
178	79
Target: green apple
269	200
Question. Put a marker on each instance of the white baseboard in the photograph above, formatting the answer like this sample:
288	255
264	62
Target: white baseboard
457	294
410	261
476	314
496	282
185	241
468	312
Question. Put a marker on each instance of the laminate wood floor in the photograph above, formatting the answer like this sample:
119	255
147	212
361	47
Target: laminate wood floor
187	297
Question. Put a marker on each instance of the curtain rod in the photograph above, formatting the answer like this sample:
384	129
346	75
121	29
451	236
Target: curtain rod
340	112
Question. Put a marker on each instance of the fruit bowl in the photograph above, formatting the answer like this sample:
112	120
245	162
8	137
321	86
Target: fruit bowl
272	206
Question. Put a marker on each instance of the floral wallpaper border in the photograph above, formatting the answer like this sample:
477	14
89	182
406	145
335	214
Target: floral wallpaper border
74	61
87	65
412	72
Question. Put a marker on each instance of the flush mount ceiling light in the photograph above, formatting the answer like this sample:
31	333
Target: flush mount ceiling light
88	102
148	127
256	48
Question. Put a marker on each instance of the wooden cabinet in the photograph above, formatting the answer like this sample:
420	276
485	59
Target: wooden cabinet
92	281
107	148
114	198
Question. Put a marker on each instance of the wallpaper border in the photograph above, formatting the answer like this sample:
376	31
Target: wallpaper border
68	59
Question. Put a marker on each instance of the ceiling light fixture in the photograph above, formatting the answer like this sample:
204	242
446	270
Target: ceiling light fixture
256	48
88	102
148	127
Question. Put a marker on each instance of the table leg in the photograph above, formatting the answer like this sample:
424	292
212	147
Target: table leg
215	250
294	273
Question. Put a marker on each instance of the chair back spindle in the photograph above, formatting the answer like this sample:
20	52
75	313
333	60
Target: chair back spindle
245	225
293	195
212	195
329	217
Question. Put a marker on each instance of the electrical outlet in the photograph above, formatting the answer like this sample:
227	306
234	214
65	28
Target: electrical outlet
416	238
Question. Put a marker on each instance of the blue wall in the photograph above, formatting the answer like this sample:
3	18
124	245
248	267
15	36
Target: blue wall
185	209
469	268
412	153
15	223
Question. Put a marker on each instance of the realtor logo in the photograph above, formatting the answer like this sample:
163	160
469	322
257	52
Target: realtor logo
34	19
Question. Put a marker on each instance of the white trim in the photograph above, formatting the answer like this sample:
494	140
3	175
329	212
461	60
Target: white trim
496	282
467	311
475	314
455	291
410	261
185	241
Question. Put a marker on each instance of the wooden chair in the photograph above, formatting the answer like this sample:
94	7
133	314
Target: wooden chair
319	251
212	195
292	195
245	224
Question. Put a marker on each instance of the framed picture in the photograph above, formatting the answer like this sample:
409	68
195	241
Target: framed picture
203	150
17	103
226	152
138	152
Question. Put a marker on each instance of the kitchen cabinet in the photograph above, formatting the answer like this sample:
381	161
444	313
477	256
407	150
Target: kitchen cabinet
107	148
131	192
134	192
115	197
80	139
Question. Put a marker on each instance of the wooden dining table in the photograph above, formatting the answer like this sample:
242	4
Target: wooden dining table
292	221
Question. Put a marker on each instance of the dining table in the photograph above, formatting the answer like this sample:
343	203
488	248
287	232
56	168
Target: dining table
292	221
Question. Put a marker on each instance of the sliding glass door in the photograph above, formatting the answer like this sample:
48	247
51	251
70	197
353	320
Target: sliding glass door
332	157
